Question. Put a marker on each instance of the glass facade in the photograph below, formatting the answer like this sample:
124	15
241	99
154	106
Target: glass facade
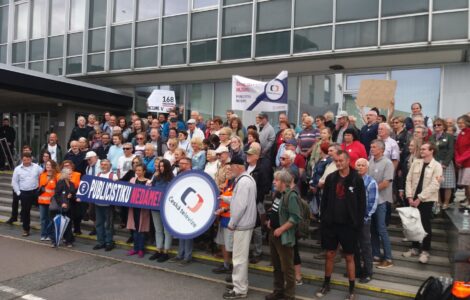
173	33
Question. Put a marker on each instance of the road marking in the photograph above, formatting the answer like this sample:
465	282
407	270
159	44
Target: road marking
18	293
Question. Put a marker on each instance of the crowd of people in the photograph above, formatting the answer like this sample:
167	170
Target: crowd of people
351	179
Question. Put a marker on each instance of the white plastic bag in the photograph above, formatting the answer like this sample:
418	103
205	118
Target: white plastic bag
412	227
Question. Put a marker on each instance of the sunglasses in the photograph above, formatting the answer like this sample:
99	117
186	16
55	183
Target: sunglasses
437	125
127	148
283	158
139	139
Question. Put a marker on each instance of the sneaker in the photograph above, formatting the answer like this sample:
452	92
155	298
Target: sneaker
350	297
184	262
48	238
155	255
299	282
140	253
424	257
377	260
410	253
109	247
365	279
25	233
233	295
323	291
11	221
98	247
163	258
43	239
131	252
385	264
175	259
221	270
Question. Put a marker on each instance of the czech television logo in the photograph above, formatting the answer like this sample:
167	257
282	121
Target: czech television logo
197	205
274	90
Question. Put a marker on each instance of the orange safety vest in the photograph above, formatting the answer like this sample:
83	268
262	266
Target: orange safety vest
49	188
76	179
227	191
461	289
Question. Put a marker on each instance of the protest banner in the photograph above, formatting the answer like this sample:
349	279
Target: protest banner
187	206
253	95
376	93
161	101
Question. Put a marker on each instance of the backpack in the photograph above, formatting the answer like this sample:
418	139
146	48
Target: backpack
302	229
431	289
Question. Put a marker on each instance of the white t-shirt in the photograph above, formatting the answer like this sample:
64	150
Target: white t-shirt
107	176
170	157
124	165
53	151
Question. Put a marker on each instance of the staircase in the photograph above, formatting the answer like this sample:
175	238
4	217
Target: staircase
399	282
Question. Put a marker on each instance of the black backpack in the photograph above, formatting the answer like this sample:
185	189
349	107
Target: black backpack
431	289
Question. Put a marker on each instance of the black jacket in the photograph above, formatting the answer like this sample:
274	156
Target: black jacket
61	192
260	174
355	198
78	160
102	151
78	132
59	154
9	133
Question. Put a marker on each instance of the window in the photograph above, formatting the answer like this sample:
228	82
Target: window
273	43
446	4
146	33
235	48
21	21
38	26
57	17
37	66
223	98
146	57
77	15
204	25
123	10
174	54
203	51
148	9
353	82
356	35
36	49
3	54
230	2
292	101
74	65
200	97
173	7
347	10
312	39
95	63
55	67
308	12
55	47
204	3
405	30
120	60
400	7
174	29
121	36
19	52
237	20
97	13
3	24
450	26
96	40
75	44
274	15
316	91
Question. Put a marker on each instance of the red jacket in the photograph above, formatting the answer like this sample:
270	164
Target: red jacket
356	150
462	148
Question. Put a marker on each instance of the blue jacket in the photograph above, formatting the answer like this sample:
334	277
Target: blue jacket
372	196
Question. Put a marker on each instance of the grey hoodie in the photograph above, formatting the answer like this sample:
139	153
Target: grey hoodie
243	203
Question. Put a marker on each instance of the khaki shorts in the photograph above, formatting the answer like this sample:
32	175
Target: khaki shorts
225	238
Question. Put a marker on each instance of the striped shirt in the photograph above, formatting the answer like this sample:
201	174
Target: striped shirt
307	138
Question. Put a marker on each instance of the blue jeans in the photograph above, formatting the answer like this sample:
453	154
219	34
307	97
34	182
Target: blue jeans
163	238
139	238
104	224
185	249
46	228
379	233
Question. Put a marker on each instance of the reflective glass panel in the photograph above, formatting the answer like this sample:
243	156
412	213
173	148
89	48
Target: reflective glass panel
234	48
38	26
399	7
175	29
55	67
203	51
146	57
274	14
95	63
77	15
97	13
356	35
96	40
174	54
237	20
3	24
347	10
204	25
148	9
37	66
3	54
405	30
74	65
19	52
123	10
312	39
36	49
55	47
449	4
75	44
120	60
308	12
21	21
353	82
273	43
204	3
121	36
223	98
173	7
450	26
200	97
146	33
57	17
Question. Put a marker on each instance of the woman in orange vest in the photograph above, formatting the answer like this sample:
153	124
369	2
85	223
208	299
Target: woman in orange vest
47	183
224	236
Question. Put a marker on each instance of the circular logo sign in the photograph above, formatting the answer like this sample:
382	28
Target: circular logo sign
189	204
274	90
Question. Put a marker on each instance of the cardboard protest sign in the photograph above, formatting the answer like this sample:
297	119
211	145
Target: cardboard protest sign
376	93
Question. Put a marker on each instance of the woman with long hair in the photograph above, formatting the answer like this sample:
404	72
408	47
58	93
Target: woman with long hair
288	134
237	127
236	148
45	157
125	130
47	184
198	158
